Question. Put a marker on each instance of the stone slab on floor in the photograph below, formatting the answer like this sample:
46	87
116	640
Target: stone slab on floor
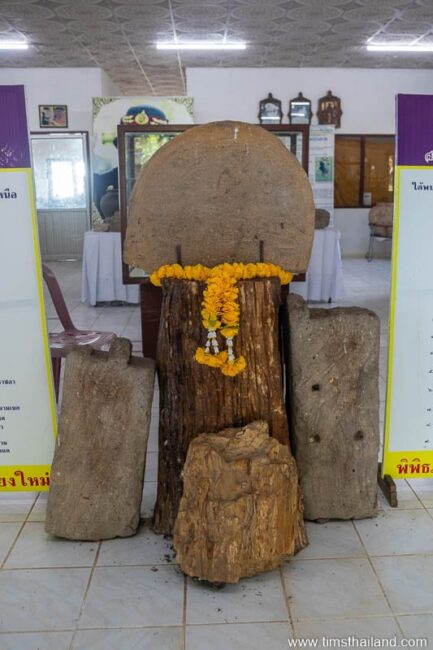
334	407
98	468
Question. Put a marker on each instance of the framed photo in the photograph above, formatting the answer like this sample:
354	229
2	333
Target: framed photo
330	110
270	111
53	116
300	110
323	169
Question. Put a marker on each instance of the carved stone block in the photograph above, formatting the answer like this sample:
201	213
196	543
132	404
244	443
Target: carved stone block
217	191
334	400
98	468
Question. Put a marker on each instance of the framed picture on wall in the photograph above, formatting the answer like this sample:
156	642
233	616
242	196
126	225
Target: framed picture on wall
53	116
270	111
300	110
330	110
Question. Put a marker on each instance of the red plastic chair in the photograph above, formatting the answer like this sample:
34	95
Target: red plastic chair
71	337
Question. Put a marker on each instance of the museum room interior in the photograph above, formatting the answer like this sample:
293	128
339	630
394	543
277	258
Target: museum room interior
216	324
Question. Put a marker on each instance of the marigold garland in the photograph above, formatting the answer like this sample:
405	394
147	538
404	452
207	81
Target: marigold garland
220	306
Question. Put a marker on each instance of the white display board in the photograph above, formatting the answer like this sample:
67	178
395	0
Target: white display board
321	166
27	407
408	448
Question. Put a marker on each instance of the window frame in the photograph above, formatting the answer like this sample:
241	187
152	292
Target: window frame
362	140
87	161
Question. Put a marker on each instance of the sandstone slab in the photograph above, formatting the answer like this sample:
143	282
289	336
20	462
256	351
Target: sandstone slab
216	191
98	468
333	379
238	515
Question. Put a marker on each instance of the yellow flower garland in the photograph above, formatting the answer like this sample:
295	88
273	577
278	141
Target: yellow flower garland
220	306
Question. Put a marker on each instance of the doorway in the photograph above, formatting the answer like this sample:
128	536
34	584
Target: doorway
61	173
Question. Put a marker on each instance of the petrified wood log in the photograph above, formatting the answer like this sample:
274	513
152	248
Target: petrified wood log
238	515
334	403
217	190
98	468
196	398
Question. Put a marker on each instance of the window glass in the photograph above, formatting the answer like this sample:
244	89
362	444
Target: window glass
347	170
139	149
371	184
293	142
59	173
379	168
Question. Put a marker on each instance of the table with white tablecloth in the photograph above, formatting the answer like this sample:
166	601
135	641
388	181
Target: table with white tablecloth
102	269
101	279
324	278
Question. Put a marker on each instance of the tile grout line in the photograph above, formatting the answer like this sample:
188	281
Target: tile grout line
7	556
129	320
213	624
286	601
86	593
373	568
415	493
185	602
168	564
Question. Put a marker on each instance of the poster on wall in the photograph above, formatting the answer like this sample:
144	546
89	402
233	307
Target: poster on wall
321	166
108	112
408	446
27	407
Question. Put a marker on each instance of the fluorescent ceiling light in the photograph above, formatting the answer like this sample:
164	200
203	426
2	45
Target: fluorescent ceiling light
14	45
200	45
400	47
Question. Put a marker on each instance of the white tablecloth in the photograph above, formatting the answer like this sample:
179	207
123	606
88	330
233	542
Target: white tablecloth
102	269
324	280
101	279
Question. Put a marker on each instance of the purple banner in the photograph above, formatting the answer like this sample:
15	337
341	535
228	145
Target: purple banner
14	137
415	130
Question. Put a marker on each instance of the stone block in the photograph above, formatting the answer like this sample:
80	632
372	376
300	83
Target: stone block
381	214
238	515
98	468
333	379
216	191
322	218
380	219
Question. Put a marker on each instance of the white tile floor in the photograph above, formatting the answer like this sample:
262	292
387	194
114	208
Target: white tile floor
363	578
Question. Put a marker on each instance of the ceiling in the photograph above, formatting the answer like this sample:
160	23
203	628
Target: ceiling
119	35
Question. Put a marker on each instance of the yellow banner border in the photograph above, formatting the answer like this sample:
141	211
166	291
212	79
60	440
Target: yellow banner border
25	478
8	472
400	464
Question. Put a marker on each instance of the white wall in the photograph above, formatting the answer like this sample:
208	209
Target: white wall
367	99
108	87
367	95
74	87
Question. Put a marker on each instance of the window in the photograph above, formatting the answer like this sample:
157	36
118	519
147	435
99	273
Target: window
364	170
60	172
66	182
